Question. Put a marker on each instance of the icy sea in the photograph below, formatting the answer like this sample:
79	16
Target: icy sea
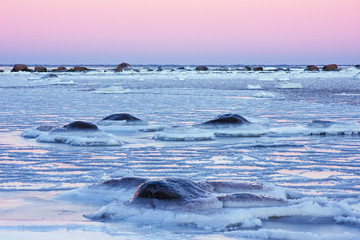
302	147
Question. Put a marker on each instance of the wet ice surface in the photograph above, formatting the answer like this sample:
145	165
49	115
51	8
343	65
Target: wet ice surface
323	167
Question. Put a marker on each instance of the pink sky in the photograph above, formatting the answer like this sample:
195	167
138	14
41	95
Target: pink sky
180	31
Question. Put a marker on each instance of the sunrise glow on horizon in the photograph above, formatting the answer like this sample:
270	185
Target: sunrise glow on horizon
180	32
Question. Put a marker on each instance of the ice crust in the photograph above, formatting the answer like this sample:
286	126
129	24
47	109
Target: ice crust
282	147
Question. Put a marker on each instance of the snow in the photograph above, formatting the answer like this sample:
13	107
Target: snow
50	181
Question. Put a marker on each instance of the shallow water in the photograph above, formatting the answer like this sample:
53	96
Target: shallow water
325	169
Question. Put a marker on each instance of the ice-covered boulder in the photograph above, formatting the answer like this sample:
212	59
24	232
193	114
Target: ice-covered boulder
78	126
20	68
331	67
118	118
312	68
123	66
226	120
357	66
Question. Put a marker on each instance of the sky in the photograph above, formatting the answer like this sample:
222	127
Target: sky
180	31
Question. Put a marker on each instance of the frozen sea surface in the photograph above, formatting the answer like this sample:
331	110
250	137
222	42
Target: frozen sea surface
46	188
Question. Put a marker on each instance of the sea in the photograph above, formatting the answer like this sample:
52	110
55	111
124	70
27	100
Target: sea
302	147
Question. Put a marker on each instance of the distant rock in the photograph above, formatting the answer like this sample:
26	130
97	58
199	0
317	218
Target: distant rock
247	68
181	68
60	69
159	69
78	69
40	69
312	68
258	69
202	68
1	71
331	67
123	66
20	67
357	66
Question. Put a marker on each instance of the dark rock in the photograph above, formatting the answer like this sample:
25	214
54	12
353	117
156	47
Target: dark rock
40	69
227	119
78	69
258	69
247	68
330	67
20	67
1	71
80	125
357	66
60	69
122	117
149	69
181	68
312	68
170	189
123	66
202	68
159	69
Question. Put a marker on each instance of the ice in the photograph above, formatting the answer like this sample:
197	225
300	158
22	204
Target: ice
266	77
302	147
184	134
252	130
263	94
253	87
80	138
112	90
290	85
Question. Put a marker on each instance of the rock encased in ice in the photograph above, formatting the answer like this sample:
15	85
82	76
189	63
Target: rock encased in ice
121	118
186	195
79	126
226	120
